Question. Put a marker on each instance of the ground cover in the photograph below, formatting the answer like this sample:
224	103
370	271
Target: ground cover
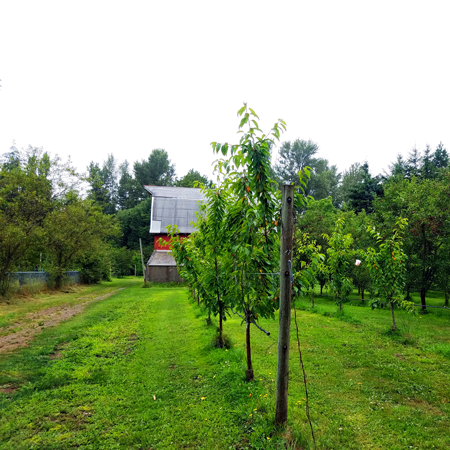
137	370
15	310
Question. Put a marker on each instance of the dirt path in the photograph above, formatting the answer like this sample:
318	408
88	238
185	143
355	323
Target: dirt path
35	322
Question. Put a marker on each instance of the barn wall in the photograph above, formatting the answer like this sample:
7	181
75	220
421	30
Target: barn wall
167	239
163	274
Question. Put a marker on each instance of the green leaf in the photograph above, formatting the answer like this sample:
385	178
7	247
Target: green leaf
241	110
243	122
253	112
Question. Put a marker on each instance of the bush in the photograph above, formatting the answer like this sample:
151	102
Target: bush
95	268
122	262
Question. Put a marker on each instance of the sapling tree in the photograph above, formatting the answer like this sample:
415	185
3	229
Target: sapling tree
387	267
252	222
308	263
214	276
201	258
186	257
340	254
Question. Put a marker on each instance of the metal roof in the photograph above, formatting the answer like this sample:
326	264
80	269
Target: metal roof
175	192
173	206
161	258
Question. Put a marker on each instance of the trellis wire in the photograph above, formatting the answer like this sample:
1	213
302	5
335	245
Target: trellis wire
414	304
262	273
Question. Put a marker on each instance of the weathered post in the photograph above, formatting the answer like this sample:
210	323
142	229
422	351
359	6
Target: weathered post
287	231
143	265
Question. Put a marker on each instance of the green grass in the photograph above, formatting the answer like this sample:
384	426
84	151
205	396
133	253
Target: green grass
138	371
16	309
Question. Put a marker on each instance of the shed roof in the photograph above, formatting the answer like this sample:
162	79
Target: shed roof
175	192
161	258
173	206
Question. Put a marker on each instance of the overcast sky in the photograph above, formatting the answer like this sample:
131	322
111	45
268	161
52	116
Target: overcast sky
365	80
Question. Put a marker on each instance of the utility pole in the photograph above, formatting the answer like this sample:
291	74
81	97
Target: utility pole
287	231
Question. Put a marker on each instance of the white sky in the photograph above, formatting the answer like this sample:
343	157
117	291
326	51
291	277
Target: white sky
365	80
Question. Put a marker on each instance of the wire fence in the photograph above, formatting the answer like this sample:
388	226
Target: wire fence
366	300
34	276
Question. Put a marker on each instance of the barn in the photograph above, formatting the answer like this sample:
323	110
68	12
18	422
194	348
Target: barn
170	206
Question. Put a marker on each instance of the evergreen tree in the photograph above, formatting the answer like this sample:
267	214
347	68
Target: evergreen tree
362	194
103	184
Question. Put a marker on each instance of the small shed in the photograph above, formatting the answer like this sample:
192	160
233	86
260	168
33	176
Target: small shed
170	206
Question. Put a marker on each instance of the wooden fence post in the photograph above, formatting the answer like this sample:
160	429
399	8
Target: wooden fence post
143	265
287	231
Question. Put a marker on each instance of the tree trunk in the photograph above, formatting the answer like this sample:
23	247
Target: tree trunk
58	281
220	328
359	290
362	293
321	288
394	327
249	371
312	299
423	300
446	298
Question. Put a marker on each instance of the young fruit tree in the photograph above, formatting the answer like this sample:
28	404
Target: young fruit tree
214	277
340	254
308	263
252	222
387	268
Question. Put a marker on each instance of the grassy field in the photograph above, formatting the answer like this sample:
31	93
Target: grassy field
137	371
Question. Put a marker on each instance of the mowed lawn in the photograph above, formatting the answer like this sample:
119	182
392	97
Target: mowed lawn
137	370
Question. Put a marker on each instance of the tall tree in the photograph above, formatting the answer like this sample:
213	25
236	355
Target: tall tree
295	156
157	170
441	159
398	168
73	228
425	204
25	200
129	192
414	163
350	178
190	178
361	194
31	184
134	223
103	184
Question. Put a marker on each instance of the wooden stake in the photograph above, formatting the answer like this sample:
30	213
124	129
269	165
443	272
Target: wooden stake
143	265
287	231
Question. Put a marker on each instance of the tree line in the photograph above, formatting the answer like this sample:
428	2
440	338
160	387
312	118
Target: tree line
415	187
53	219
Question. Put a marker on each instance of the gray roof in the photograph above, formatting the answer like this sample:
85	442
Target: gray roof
161	258
173	206
175	192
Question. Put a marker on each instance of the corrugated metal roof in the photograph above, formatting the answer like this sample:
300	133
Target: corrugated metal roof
175	192
161	258
173	206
